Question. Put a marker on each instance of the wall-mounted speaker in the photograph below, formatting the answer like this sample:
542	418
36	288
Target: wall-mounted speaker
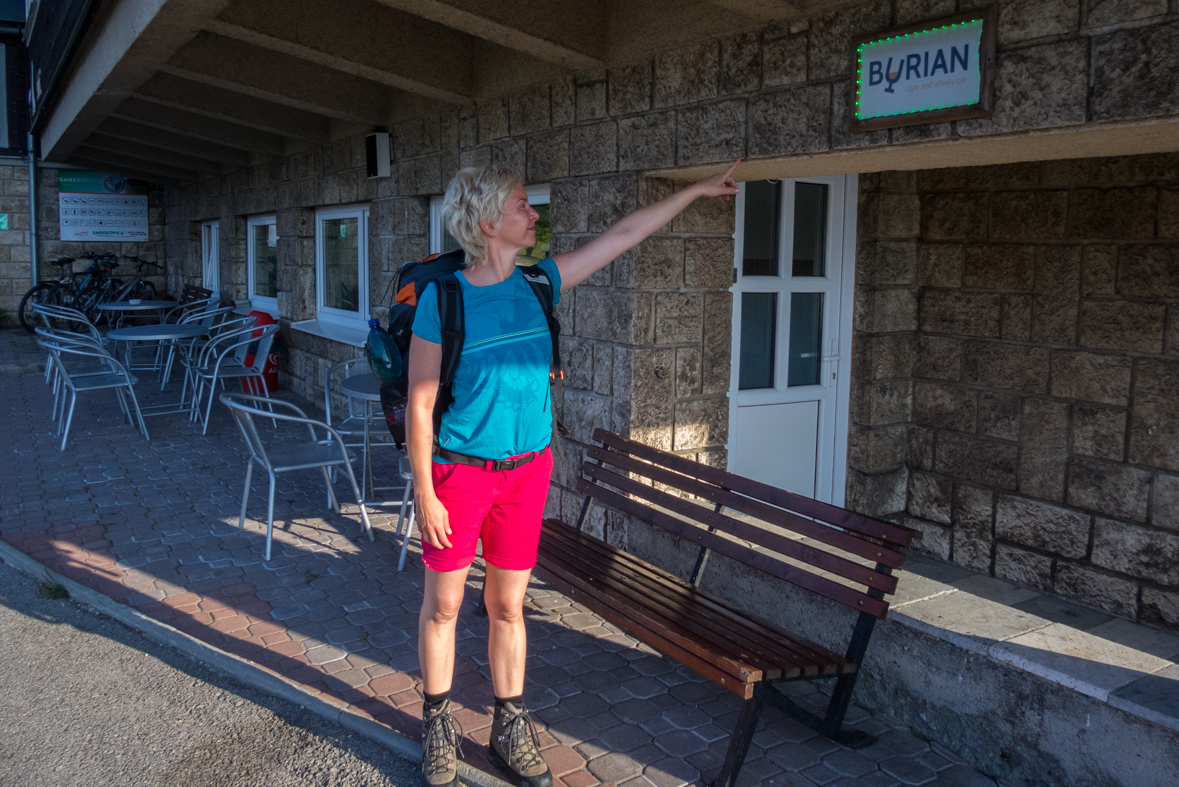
376	155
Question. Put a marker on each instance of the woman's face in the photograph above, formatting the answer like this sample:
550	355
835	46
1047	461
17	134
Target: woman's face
519	225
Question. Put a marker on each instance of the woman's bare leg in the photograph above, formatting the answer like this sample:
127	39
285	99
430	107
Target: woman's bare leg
507	642
440	608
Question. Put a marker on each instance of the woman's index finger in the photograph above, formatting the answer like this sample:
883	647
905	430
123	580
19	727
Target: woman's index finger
732	167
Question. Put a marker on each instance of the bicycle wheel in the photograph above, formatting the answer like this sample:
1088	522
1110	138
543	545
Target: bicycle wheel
87	302
144	290
25	316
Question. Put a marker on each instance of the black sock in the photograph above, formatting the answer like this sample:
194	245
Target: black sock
517	701
434	700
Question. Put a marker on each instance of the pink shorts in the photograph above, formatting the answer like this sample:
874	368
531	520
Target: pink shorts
502	507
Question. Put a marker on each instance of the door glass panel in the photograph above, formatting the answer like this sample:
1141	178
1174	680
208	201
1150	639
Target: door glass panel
763	202
759	326
806	335
341	263
810	229
264	238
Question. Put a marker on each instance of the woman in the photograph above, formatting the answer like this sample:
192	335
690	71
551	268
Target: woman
501	410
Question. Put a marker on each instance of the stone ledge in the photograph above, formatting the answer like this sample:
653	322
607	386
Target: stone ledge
355	337
1123	664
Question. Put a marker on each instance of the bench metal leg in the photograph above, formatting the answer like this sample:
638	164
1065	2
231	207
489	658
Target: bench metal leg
742	737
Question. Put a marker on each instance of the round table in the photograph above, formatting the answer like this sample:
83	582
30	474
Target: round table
123	308
156	333
366	388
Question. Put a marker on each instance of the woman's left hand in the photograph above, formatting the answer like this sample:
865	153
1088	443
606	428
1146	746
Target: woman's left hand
721	185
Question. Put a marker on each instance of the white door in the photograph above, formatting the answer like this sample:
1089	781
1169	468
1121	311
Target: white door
210	256
792	309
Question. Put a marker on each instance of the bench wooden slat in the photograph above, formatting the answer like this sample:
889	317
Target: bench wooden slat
594	604
849	597
848	569
767	638
810	528
868	526
615	595
747	638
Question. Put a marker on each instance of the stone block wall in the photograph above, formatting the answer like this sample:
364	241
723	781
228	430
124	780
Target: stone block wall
646	340
15	245
1044	446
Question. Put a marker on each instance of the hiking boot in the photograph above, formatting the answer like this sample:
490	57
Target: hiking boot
441	739
515	748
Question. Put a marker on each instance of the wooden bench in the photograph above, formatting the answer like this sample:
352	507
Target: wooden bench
842	556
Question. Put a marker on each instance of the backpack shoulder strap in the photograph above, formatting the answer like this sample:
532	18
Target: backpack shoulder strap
542	288
453	323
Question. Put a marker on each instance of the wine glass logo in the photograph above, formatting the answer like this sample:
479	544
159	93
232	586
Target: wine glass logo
892	76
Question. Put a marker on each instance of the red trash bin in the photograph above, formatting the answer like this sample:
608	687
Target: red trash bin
270	370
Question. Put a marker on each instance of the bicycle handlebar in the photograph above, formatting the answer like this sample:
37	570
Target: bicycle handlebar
140	262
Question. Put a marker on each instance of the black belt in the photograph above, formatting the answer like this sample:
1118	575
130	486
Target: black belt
486	464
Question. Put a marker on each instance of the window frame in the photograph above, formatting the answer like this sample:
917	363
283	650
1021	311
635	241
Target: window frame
263	302
329	314
211	255
537	195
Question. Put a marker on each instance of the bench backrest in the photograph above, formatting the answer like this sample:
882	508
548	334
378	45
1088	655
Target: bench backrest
192	293
839	540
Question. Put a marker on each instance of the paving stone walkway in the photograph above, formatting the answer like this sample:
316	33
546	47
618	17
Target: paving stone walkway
154	525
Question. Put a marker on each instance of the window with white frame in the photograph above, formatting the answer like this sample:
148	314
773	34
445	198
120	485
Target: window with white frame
210	256
538	197
262	262
341	265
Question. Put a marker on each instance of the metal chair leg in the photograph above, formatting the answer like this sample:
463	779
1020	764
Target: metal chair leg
138	413
368	528
241	520
69	419
333	503
270	517
408	535
402	515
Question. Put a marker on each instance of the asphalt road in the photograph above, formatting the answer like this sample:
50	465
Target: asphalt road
86	701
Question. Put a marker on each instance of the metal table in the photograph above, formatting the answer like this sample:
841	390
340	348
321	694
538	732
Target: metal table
156	333
367	388
123	308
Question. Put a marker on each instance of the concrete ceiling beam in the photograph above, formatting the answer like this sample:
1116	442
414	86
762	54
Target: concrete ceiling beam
115	128
281	79
223	132
169	90
572	35
764	10
357	37
126	165
153	154
124	46
102	166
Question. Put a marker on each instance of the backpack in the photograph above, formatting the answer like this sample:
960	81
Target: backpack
411	282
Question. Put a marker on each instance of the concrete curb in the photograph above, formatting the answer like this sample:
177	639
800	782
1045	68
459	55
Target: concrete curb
239	669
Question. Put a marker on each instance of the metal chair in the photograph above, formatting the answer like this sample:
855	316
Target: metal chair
407	515
54	364
352	425
224	358
329	452
114	378
190	352
180	310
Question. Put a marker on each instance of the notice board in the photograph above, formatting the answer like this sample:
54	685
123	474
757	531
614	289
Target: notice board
100	206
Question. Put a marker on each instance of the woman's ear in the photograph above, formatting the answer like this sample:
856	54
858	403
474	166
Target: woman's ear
488	228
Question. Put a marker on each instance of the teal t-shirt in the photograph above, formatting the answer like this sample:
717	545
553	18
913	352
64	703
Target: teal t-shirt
502	404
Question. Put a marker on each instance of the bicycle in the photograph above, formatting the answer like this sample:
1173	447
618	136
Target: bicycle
97	284
138	288
47	292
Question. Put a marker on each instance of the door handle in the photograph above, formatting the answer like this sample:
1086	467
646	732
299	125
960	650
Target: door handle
834	369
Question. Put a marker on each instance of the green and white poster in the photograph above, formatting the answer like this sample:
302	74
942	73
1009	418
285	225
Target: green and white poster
97	206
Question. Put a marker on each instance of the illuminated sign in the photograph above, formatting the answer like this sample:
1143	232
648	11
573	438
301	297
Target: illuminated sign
934	72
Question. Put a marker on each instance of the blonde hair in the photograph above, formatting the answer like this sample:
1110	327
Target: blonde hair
477	194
